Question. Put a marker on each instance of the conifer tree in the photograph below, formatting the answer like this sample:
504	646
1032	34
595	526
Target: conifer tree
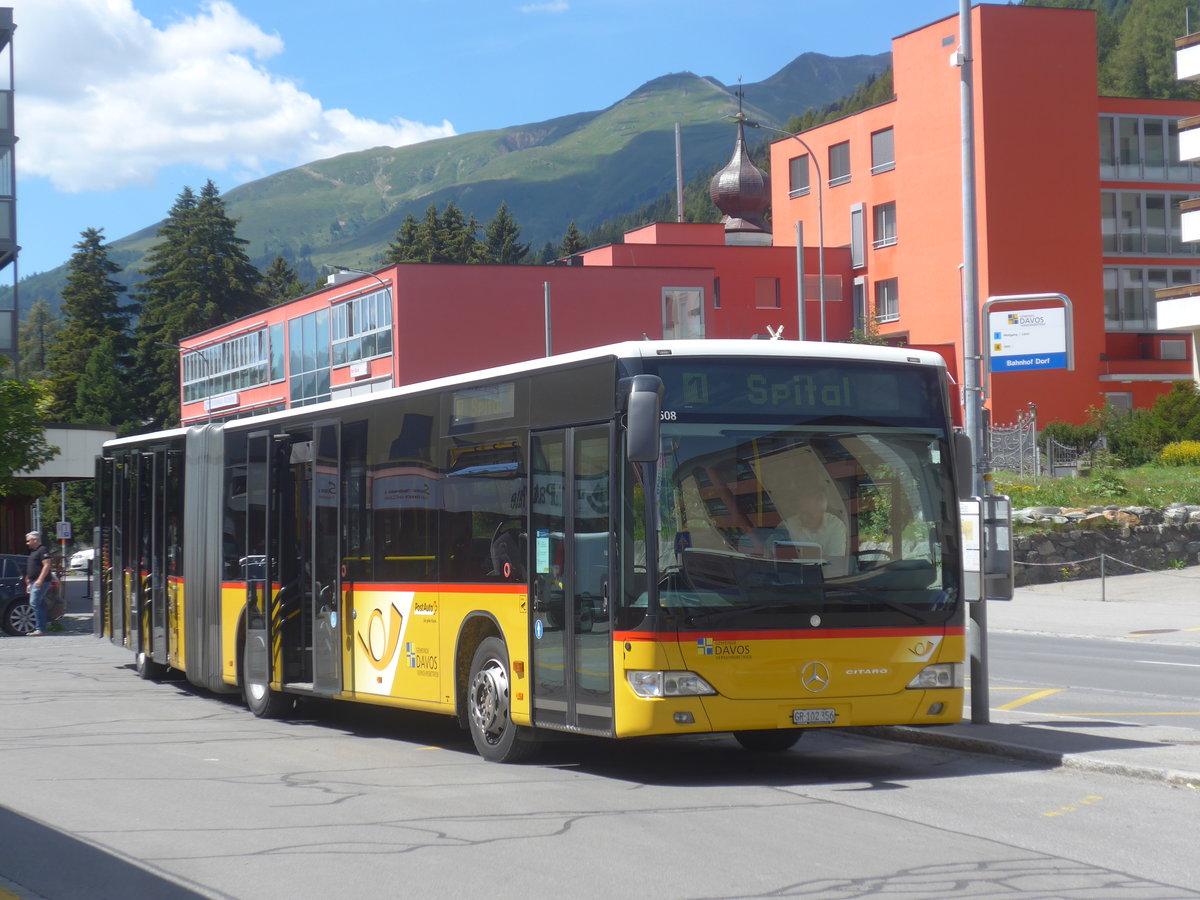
502	239
406	246
198	276
280	283
573	242
93	316
35	337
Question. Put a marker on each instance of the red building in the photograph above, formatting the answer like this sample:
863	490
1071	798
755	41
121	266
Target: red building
408	323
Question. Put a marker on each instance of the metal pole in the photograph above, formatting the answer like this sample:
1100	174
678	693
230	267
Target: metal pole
546	290
678	173
972	394
802	332
62	503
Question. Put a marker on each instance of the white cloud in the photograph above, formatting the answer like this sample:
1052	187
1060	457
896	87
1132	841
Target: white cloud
556	6
105	99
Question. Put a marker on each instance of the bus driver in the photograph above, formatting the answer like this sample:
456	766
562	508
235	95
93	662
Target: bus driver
813	523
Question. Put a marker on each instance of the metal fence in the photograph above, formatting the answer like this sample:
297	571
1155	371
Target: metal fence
1014	448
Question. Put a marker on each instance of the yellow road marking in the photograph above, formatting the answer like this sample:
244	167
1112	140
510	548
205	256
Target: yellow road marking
1086	801
1037	695
1092	714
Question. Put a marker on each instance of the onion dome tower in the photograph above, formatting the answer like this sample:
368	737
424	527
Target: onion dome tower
742	192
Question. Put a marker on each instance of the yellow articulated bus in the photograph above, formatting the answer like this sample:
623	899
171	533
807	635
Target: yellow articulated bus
675	537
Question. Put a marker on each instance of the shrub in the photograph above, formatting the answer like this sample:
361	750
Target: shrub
1180	453
1081	438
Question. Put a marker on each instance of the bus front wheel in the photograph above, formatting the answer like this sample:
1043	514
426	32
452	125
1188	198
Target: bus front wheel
488	706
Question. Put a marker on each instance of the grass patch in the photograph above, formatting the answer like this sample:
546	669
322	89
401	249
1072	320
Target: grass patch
1152	486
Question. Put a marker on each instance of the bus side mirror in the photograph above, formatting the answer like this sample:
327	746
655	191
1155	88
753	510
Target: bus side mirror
643	414
964	465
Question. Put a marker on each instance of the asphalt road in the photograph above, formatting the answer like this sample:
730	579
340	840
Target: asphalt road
1075	676
116	787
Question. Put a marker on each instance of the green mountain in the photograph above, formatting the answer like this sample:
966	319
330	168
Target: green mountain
587	168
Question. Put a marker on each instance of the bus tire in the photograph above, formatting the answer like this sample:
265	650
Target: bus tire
148	669
488	706
261	700
768	741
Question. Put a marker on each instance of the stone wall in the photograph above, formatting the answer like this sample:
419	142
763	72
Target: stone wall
1065	544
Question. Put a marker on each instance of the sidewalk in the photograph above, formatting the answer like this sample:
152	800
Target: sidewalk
1152	607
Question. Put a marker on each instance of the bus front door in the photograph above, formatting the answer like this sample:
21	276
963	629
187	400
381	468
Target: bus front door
571	578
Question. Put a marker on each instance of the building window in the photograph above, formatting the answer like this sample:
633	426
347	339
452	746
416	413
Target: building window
227	367
887	300
362	328
839	163
1142	148
883	152
683	313
1172	348
278	369
885	225
766	293
798	175
858	298
1143	224
1119	401
858	237
1129	303
308	358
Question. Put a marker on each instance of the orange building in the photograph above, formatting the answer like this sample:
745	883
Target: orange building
1077	194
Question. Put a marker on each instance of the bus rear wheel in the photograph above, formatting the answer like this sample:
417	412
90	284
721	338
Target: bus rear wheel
768	741
148	668
262	701
488	706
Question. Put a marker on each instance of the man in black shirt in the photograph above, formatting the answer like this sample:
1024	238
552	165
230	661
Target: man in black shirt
37	581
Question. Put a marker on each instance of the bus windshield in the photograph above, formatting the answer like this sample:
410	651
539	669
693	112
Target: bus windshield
780	524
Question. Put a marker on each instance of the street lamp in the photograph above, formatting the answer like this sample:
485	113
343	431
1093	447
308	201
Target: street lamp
391	306
750	123
205	371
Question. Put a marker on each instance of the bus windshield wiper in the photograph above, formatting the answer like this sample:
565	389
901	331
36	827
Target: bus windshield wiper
877	596
718	614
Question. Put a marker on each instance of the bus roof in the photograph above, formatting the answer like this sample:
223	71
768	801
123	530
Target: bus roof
777	349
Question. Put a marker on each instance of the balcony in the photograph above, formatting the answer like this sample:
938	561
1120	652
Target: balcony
1189	220
1187	57
1189	139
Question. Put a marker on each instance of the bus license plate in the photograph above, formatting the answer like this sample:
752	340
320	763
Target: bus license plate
814	716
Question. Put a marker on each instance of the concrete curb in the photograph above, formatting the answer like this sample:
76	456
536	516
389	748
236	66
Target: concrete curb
932	736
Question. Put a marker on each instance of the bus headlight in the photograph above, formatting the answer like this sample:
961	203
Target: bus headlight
668	684
942	675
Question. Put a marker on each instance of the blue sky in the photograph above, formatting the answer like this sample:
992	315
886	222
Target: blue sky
121	103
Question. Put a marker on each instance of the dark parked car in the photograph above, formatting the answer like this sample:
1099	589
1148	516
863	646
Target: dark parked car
16	612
